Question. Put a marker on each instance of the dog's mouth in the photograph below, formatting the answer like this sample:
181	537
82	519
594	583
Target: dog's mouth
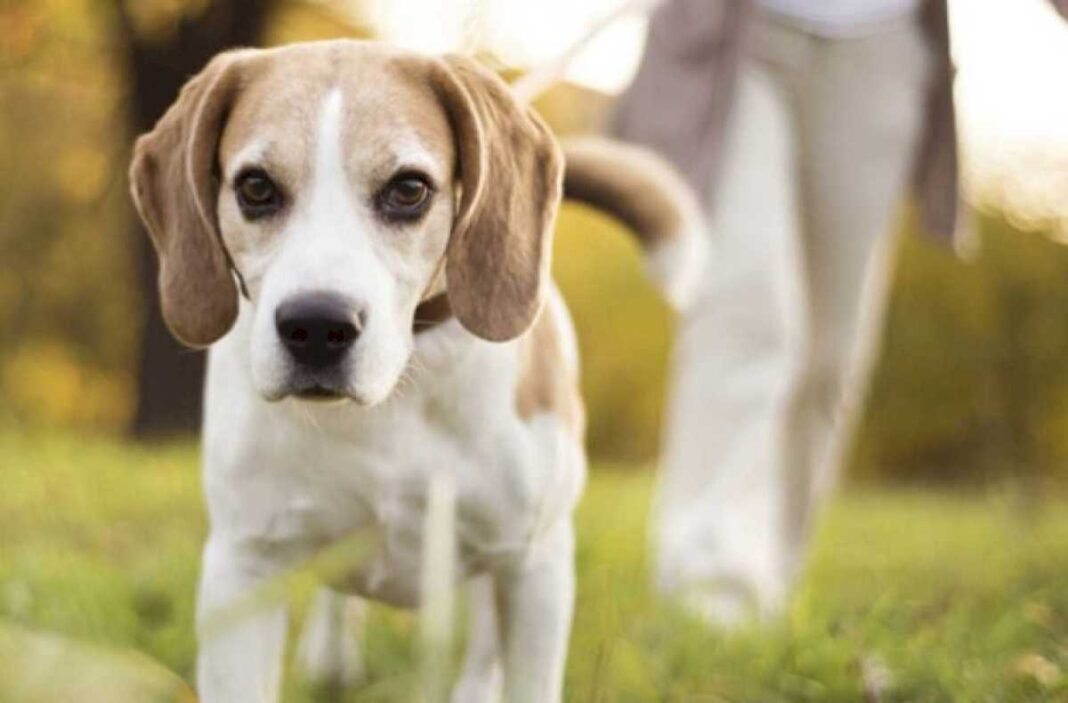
319	393
310	389
328	386
323	393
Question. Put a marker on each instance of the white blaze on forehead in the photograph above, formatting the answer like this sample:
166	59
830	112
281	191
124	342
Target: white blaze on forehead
330	208
329	165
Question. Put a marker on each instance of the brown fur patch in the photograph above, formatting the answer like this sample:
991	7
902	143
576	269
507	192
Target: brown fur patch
510	172
546	384
171	183
630	183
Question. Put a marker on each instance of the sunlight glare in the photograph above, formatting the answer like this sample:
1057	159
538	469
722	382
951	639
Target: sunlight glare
1011	56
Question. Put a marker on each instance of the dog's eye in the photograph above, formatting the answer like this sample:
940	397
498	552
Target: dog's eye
405	197
257	195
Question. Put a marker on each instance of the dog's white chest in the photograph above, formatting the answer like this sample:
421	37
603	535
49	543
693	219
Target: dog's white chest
302	481
293	479
374	502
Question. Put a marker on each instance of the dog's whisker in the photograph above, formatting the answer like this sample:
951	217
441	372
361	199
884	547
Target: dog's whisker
405	383
308	417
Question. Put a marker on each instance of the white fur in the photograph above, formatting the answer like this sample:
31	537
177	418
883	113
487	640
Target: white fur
284	479
677	266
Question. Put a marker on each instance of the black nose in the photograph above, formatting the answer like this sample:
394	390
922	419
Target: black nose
317	328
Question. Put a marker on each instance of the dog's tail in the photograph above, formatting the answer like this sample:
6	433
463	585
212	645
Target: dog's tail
650	197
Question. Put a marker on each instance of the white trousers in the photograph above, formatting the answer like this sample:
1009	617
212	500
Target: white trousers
817	155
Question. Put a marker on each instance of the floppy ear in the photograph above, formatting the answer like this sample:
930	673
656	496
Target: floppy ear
174	187
510	172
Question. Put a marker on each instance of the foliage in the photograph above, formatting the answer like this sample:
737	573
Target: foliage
973	375
909	596
971	384
65	286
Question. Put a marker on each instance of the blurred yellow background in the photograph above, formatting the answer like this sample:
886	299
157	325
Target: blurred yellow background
973	379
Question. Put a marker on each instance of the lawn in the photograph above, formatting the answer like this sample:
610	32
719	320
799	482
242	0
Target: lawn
910	596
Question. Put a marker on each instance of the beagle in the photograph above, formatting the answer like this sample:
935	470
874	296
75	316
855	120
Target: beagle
362	236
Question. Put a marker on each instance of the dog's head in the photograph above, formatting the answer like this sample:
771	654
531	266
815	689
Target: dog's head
335	182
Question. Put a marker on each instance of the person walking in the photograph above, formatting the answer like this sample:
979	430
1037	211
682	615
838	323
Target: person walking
800	122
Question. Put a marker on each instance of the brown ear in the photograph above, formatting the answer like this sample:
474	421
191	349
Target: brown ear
510	172
174	187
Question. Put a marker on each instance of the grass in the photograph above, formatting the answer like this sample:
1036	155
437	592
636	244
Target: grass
941	598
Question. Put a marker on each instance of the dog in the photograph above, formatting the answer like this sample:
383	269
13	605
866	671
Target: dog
362	236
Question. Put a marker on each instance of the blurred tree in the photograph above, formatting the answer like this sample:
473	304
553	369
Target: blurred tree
972	382
1027	355
162	50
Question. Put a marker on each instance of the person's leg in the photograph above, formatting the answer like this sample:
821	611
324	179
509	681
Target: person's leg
714	531
823	137
861	112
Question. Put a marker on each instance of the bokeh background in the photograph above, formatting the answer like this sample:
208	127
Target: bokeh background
973	383
968	405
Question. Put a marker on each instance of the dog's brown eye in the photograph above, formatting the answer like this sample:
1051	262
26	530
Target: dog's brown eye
257	195
405	197
256	189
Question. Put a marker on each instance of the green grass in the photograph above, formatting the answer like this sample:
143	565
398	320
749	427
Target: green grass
954	597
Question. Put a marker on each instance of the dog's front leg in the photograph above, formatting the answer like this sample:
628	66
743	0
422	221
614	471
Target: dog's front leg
241	641
480	678
535	602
